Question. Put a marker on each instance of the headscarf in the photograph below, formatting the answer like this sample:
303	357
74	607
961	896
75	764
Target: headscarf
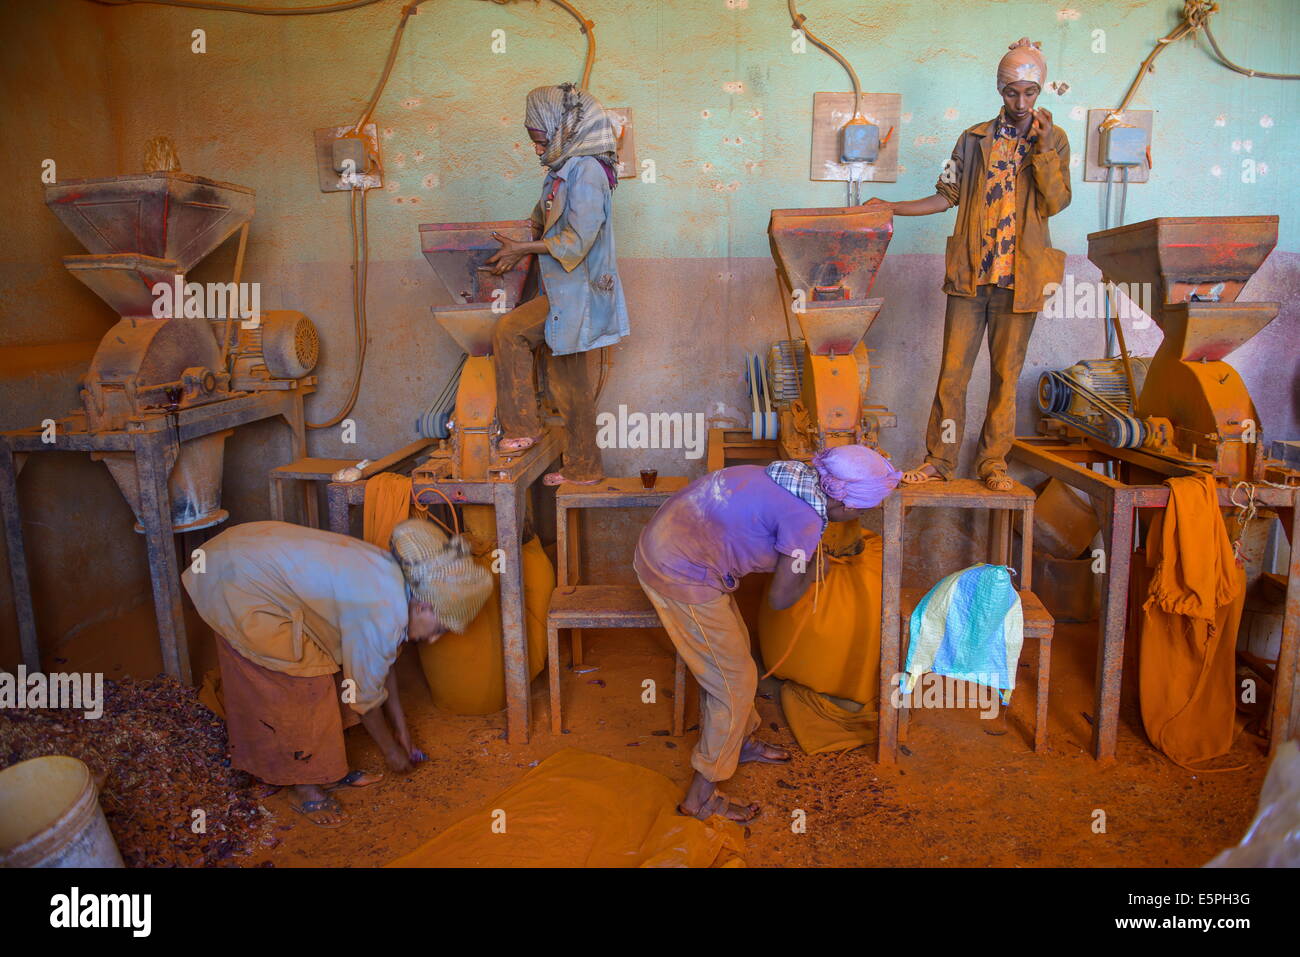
1023	61
440	570
856	475
575	124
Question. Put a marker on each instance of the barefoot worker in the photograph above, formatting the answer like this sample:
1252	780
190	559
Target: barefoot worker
1006	176
691	557
308	625
581	306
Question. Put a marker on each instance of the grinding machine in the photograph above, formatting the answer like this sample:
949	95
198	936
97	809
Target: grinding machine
1185	408
489	488
1116	428
166	386
812	391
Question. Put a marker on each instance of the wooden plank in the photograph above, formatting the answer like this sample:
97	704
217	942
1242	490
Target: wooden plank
964	493
602	606
622	492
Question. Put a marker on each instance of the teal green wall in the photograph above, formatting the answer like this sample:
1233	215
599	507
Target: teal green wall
669	62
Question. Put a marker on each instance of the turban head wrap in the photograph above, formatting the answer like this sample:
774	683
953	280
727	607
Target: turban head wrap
856	475
1022	61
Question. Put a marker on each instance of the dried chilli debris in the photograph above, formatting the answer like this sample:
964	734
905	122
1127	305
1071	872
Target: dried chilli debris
157	755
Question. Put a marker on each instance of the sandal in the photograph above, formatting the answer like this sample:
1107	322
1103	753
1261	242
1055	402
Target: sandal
720	805
762	758
351	779
517	445
553	479
924	476
998	481
308	808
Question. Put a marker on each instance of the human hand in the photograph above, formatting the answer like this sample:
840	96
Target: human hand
876	203
505	258
1041	129
398	760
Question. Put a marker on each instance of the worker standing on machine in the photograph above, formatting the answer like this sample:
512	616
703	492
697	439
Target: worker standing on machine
691	557
581	305
1006	176
308	626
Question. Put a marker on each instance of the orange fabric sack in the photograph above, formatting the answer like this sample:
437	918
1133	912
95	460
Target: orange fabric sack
1186	661
467	673
838	646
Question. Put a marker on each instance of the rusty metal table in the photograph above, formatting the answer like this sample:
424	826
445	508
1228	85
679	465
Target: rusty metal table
154	441
504	490
1067	461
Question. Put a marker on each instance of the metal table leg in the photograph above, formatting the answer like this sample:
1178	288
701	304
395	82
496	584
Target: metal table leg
1110	646
1285	721
514	638
891	578
13	530
151	470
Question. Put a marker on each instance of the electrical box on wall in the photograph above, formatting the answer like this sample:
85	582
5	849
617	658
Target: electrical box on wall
622	119
347	158
1123	151
859	141
863	147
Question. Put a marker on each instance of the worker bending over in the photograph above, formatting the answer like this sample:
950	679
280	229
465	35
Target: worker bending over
691	557
581	305
1006	177
308	625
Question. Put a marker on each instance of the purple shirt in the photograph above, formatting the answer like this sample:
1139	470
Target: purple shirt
718	529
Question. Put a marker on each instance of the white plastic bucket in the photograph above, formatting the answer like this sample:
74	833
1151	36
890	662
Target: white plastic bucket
50	816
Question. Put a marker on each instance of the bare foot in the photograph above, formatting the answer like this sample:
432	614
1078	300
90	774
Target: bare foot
720	805
926	473
315	805
356	779
553	479
754	751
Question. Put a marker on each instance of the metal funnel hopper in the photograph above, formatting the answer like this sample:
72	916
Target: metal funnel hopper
165	215
124	281
470	324
827	261
458	253
1193	267
1198	331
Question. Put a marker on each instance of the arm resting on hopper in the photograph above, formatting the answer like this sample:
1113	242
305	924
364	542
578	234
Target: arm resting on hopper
913	207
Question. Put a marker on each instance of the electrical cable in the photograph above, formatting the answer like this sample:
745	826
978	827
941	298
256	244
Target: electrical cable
241	8
360	272
1196	16
1209	35
798	20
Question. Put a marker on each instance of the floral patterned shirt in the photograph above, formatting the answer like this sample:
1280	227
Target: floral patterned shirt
998	239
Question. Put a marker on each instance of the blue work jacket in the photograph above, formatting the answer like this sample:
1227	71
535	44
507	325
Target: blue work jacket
580	276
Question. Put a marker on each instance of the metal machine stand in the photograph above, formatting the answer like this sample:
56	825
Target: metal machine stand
1069	461
153	440
509	479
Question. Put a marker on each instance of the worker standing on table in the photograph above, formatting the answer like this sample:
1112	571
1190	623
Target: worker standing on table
1006	176
308	625
581	305
691	557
